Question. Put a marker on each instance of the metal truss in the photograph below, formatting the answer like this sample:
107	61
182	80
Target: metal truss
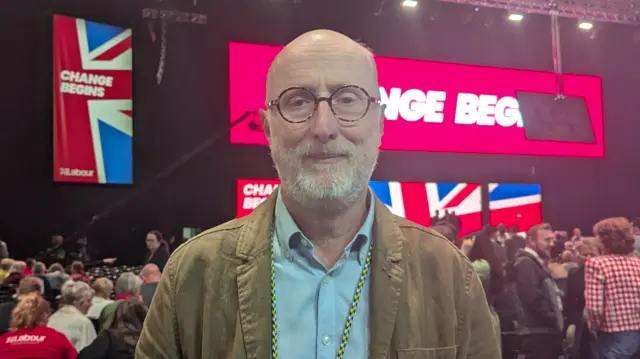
174	16
612	11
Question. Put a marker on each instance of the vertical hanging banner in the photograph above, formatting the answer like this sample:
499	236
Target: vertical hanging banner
92	101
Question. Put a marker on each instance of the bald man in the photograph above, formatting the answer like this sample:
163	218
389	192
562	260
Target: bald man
150	275
321	269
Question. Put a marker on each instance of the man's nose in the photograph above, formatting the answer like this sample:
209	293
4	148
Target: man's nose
323	124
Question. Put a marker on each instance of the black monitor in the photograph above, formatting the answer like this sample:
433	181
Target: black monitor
548	117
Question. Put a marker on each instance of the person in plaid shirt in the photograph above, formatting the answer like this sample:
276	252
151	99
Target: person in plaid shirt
612	291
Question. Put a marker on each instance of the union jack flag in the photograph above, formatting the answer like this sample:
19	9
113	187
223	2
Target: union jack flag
93	126
416	201
514	204
419	201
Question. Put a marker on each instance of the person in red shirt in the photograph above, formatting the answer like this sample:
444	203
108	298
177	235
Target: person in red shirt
78	274
29	336
28	268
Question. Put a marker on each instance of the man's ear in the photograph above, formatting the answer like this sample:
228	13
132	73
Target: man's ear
264	121
382	108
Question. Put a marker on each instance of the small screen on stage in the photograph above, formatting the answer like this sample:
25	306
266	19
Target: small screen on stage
514	204
547	117
92	100
419	202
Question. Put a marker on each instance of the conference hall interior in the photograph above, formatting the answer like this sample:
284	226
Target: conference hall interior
131	127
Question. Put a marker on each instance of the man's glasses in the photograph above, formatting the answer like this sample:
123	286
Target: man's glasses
348	103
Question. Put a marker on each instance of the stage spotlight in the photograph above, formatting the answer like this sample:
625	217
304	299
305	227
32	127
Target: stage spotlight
585	25
516	17
410	3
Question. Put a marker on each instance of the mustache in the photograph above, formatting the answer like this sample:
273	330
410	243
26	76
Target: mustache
310	148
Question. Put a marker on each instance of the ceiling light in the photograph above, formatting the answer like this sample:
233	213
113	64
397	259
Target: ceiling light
584	25
516	17
410	3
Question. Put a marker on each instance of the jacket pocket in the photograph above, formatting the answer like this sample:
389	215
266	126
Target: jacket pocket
427	353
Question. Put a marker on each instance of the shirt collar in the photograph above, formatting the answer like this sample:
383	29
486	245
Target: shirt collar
534	254
70	309
288	235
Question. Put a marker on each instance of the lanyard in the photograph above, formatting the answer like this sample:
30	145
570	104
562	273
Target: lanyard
352	310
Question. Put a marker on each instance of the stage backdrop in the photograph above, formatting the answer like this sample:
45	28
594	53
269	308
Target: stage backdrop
92	118
416	201
515	205
435	106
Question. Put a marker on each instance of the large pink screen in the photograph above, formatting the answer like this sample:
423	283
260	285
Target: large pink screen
435	106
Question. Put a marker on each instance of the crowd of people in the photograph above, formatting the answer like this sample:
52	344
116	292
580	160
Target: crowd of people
550	295
64	313
553	295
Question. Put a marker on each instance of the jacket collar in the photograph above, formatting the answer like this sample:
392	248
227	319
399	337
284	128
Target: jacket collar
254	287
255	237
528	252
70	310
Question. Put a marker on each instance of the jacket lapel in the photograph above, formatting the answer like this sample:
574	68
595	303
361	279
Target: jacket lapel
253	279
386	280
254	289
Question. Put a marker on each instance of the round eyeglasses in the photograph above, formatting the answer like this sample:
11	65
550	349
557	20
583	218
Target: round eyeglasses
348	103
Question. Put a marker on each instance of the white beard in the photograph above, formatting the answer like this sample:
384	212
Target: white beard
327	186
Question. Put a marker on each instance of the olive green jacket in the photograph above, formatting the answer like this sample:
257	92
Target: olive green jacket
213	301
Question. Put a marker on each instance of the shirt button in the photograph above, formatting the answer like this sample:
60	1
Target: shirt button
326	280
326	340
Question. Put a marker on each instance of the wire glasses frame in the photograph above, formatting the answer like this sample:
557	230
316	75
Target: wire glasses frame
366	98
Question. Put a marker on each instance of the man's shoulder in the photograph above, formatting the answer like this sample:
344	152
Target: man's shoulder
209	246
423	242
151	286
524	258
426	237
526	263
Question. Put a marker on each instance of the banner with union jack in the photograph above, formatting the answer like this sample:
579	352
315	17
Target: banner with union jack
92	86
416	201
420	201
515	204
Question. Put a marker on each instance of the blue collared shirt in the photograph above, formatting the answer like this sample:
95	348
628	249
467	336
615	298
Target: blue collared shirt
311	302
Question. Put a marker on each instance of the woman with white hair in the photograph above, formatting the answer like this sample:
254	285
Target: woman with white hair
127	287
71	319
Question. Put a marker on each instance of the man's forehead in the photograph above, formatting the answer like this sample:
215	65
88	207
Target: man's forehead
319	70
545	233
312	62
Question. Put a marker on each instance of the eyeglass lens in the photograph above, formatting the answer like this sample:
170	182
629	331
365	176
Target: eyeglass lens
347	103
